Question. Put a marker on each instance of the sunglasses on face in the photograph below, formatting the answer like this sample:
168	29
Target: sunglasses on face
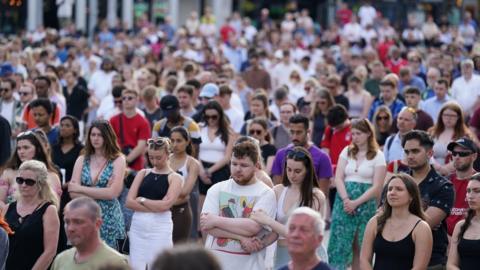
4	89
128	98
29	182
23	93
255	132
382	118
296	154
461	154
211	117
117	101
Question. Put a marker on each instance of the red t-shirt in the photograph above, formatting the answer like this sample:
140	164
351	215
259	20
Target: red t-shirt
460	206
226	31
134	129
30	120
335	141
344	16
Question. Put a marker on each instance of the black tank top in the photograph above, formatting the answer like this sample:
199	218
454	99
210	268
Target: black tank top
394	255
154	186
26	244
468	251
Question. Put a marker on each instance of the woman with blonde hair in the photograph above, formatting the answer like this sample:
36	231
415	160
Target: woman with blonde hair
310	87
33	219
359	180
382	123
450	126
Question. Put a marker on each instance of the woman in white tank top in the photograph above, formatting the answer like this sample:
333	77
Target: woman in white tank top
299	188
358	98
184	164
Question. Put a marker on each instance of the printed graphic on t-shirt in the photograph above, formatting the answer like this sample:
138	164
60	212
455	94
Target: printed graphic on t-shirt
233	206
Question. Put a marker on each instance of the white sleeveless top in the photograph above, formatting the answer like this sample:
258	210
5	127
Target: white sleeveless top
211	151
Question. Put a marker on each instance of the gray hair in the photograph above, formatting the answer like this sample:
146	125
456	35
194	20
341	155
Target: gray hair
318	221
93	209
467	61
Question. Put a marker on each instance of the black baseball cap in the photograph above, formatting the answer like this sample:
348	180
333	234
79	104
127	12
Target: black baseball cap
169	104
465	143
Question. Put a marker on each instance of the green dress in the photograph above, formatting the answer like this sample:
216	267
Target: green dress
113	226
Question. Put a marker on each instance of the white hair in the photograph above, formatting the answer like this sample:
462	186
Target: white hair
318	221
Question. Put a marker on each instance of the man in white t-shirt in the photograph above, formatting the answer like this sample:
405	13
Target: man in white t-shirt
367	14
227	208
466	88
235	116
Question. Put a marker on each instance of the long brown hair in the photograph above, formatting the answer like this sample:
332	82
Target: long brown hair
372	146
262	97
325	94
460	129
470	213
310	181
263	122
111	149
415	206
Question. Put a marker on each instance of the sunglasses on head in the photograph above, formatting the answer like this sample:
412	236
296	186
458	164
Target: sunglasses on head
25	133
27	181
296	154
461	154
212	117
255	132
157	142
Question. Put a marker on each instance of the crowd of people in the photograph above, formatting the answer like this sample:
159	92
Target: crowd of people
254	140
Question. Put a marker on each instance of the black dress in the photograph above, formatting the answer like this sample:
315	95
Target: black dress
26	244
394	255
468	252
65	161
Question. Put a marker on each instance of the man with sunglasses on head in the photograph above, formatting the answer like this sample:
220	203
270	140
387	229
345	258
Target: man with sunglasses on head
464	153
299	130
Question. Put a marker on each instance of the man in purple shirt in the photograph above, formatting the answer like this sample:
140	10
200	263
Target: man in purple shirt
299	133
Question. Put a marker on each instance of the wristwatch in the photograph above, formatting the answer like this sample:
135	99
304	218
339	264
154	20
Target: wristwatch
142	200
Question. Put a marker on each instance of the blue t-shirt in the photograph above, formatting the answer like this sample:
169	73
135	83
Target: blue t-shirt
321	161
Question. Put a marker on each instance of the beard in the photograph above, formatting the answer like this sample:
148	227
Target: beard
462	167
244	179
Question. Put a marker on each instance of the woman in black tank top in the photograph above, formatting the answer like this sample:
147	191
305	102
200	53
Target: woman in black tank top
397	235
465	245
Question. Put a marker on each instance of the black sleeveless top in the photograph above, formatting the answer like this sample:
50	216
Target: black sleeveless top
394	255
468	252
26	244
154	186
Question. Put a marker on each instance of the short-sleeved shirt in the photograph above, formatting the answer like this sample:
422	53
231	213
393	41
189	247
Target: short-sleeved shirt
363	172
437	191
161	129
134	129
460	205
336	140
321	161
30	120
228	199
319	266
104	255
393	149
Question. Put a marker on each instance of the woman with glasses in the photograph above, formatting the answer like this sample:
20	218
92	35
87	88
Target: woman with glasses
382	124
33	219
29	146
98	173
258	129
359	180
152	194
299	188
398	236
215	148
182	162
465	241
450	126
322	101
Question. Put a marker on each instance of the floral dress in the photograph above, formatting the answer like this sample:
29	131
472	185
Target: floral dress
113	226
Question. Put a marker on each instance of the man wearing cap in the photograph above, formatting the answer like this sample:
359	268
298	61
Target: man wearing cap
132	130
209	91
171	118
464	153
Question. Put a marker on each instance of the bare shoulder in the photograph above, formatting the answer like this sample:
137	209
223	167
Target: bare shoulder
119	159
278	189
192	162
174	176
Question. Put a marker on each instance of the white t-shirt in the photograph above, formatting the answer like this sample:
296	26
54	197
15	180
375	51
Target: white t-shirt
236	119
363	172
101	83
7	111
228	199
466	93
367	15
